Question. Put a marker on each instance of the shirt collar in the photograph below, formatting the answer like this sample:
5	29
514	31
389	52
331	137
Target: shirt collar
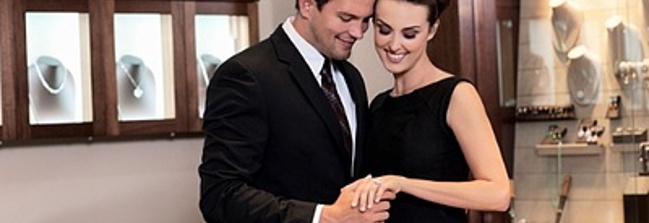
311	55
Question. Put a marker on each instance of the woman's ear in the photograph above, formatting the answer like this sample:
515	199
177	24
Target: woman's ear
433	30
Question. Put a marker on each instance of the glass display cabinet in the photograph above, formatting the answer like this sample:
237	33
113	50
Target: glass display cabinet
58	61
589	56
93	69
206	22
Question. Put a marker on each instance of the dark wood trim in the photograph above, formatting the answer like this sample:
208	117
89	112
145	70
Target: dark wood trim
57	5
231	1
83	130
130	6
194	121
180	64
509	10
253	22
467	35
103	69
486	61
446	40
8	49
18	76
225	8
136	128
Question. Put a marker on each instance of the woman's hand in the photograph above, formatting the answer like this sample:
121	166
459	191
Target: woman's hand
370	191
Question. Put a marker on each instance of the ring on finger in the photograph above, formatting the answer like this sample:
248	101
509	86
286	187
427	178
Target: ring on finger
376	182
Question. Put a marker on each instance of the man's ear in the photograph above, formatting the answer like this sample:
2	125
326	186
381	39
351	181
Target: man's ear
305	8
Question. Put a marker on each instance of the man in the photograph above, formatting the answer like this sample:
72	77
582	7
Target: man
281	141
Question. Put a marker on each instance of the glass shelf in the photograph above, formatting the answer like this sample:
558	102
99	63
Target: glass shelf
569	149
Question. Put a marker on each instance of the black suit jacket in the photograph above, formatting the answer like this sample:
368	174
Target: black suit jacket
273	149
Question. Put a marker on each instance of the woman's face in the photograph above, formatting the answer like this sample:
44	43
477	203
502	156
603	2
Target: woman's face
401	34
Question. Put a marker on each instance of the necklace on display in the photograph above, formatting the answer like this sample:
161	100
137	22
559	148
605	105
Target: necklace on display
137	92
47	85
206	79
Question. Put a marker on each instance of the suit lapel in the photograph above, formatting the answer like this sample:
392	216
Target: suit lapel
359	96
301	73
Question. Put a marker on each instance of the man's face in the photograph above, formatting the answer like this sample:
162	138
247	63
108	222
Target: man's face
338	25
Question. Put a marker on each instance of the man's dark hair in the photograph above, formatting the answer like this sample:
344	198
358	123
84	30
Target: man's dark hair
318	3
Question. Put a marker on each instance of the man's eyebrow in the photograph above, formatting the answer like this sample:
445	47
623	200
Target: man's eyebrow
352	16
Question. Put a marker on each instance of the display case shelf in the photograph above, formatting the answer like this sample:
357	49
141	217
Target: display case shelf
569	149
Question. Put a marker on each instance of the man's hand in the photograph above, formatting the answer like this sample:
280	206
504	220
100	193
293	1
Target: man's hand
342	211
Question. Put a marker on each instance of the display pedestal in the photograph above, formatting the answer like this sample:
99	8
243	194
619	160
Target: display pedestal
136	89
51	93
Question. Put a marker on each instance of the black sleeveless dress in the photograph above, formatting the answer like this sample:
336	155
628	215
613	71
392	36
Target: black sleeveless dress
409	136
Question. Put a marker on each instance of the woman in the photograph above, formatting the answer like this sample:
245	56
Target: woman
430	140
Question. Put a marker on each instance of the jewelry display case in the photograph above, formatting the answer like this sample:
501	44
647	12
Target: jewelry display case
92	69
158	55
58	58
210	53
206	21
144	66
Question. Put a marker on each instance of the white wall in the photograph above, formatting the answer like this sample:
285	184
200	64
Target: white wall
137	181
143	181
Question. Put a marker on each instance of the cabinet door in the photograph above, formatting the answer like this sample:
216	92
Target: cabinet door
52	73
469	29
215	32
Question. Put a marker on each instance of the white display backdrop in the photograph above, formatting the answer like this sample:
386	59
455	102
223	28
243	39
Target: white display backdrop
148	36
64	36
220	37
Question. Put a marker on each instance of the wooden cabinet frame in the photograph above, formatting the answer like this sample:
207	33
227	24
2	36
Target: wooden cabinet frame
466	45
105	123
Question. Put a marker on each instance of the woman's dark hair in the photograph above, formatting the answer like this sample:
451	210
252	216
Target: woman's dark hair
318	3
435	7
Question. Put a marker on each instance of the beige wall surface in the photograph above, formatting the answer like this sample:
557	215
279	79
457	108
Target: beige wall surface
127	182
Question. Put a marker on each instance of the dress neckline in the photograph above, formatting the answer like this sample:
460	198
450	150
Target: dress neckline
416	91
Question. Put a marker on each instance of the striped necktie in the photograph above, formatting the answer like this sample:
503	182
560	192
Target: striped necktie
329	89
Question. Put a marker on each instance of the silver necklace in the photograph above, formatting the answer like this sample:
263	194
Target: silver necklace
203	71
47	85
137	92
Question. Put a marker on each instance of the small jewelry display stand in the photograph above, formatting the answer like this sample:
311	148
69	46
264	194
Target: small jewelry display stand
566	22
144	66
583	76
561	141
545	113
136	89
52	91
57	48
625	51
207	65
